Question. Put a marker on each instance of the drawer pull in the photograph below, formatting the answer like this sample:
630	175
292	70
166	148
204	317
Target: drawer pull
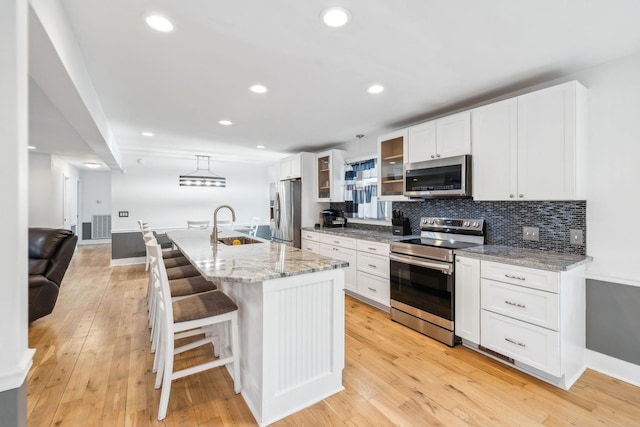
372	265
372	249
336	241
509	276
373	289
515	304
335	249
512	341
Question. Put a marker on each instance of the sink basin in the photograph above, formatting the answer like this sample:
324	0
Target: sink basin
244	240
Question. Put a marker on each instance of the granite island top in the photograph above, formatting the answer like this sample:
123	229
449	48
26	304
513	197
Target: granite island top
253	262
362	234
543	260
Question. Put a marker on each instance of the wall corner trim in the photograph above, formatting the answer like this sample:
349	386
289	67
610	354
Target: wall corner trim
14	377
616	368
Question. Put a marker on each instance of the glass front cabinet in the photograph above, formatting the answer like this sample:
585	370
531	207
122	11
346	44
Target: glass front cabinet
330	176
392	148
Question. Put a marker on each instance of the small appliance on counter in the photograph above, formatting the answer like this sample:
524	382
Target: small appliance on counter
400	224
332	218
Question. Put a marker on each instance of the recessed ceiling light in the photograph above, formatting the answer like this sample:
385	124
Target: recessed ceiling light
258	89
336	16
375	89
31	147
92	165
225	122
259	146
147	134
159	23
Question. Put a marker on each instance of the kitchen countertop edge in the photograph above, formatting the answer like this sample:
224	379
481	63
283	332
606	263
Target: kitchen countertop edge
542	260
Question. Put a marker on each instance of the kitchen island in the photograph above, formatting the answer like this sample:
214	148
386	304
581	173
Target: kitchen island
290	315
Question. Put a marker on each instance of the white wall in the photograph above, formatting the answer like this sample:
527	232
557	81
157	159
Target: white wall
95	195
613	170
150	191
46	191
40	190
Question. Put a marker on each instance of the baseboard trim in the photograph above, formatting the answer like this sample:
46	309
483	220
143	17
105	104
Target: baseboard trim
15	376
128	261
94	241
616	368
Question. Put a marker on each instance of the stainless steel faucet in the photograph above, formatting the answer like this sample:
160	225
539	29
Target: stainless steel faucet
214	234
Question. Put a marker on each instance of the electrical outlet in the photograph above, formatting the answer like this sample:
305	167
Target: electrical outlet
123	214
531	233
576	237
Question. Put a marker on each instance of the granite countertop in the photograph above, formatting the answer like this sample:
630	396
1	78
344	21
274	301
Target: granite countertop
543	260
254	262
358	233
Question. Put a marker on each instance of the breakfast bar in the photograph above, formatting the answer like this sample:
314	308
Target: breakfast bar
291	317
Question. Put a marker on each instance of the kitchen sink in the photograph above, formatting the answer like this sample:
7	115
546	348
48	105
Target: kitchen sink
244	240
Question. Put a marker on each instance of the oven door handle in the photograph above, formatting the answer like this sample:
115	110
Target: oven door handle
443	267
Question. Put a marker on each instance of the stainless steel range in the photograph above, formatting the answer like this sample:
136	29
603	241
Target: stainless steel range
422	275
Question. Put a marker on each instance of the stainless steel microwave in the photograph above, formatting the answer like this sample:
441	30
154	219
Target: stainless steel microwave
447	177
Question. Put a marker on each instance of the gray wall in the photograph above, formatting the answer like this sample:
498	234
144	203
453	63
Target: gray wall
13	407
613	320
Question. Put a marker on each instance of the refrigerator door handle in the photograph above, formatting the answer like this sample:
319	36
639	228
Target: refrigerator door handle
277	211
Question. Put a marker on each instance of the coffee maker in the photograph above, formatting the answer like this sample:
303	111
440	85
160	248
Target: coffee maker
332	218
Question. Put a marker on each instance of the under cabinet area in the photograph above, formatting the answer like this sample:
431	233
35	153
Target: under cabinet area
531	147
531	318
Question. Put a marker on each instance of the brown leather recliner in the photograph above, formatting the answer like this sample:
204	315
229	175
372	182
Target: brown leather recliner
50	251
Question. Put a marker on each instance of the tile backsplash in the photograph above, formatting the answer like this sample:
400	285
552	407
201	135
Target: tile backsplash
504	220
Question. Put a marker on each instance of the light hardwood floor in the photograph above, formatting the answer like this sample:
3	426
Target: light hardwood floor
92	367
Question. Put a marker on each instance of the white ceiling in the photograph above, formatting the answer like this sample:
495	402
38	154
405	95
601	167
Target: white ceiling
432	56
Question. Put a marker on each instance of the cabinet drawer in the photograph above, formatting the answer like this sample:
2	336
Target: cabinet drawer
373	264
373	287
310	235
530	305
523	276
345	242
310	245
373	247
535	346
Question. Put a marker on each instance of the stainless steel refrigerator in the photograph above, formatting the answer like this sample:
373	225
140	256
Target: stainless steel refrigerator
285	224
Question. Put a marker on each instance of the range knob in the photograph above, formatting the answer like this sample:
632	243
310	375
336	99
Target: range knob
475	223
465	224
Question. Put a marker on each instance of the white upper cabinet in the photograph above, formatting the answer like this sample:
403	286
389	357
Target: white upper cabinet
391	160
330	176
495	151
531	147
444	137
291	167
551	143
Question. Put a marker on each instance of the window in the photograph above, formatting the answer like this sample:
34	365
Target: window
361	192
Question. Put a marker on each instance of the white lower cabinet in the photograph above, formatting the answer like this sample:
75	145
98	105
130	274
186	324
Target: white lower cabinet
342	248
535	346
310	241
374	287
531	318
467	299
373	273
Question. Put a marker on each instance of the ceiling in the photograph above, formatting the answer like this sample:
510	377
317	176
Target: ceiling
431	56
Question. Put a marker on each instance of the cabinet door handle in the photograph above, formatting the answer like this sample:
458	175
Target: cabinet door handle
516	342
521	195
373	289
511	196
372	266
433	157
515	304
335	249
509	276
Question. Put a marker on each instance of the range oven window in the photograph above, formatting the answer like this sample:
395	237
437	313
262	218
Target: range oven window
423	288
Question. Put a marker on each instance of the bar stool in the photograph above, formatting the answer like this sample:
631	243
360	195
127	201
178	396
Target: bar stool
199	311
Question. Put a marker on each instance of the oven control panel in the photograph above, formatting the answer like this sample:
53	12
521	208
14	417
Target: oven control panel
452	225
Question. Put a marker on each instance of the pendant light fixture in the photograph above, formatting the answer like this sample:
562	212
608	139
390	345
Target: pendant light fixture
202	177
